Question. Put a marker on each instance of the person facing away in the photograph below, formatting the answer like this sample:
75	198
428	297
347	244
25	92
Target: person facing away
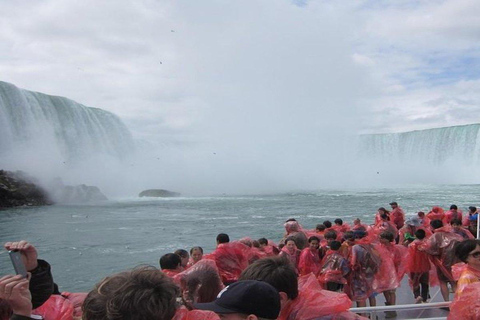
453	213
418	266
171	264
245	299
334	269
441	246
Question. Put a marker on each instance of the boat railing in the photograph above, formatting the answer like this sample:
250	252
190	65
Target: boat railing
373	311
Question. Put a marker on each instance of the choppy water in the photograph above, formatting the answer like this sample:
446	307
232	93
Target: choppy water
85	243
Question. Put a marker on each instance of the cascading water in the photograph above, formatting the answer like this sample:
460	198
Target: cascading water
72	131
456	144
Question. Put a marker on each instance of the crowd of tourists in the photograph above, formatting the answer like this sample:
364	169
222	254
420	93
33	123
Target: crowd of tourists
310	274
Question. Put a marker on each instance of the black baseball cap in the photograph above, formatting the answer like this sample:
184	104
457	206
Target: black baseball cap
248	297
393	203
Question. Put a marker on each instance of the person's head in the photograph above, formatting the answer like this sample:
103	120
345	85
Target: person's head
313	243
290	244
184	256
393	205
202	281
170	261
420	234
338	222
139	294
349	236
436	224
335	245
196	253
327	224
453	207
357	222
223	238
456	223
277	271
360	234
320	227
291	226
472	209
263	242
468	251
246	241
386	237
246	299
330	235
255	244
382	210
421	214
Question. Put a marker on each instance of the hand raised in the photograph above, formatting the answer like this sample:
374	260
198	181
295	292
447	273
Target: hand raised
28	251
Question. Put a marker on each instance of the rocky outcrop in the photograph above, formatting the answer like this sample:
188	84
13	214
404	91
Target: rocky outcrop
158	193
75	194
18	189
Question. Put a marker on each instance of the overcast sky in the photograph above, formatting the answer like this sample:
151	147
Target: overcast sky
272	73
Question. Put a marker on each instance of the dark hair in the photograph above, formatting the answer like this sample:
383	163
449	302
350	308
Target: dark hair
313	238
138	294
331	234
291	239
359	234
181	253
320	227
420	234
338	221
453	207
276	271
463	249
335	245
263	241
385	216
420	213
196	248
473	209
456	222
384	210
223	238
387	235
436	224
170	261
327	224
255	244
291	219
349	235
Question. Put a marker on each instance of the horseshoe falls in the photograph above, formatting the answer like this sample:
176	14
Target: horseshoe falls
49	136
435	146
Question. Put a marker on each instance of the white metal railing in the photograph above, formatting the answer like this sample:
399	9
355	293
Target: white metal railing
400	307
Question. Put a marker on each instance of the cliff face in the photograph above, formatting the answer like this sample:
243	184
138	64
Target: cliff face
17	189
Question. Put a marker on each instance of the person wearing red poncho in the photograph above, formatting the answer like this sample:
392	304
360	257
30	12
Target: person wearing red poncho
460	230
441	247
171	264
436	213
309	261
418	266
468	252
231	258
397	216
452	214
290	252
334	269
300	298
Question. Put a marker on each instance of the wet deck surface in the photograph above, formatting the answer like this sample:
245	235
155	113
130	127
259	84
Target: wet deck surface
405	296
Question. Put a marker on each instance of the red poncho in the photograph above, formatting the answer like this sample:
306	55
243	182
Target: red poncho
231	259
309	262
452	214
55	308
334	268
467	305
436	213
313	302
397	216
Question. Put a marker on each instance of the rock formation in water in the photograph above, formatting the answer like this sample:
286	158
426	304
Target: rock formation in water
79	194
158	193
18	189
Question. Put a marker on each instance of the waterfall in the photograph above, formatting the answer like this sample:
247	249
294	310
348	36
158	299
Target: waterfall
30	120
456	144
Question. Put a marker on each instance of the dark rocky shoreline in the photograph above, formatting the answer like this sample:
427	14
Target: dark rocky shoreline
19	189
